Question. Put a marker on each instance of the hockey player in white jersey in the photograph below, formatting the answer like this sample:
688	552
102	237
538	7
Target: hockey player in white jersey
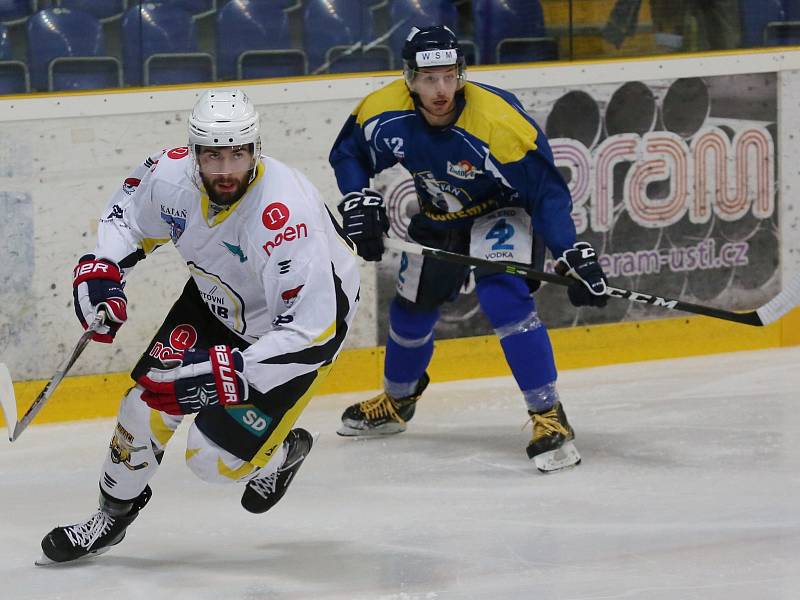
273	289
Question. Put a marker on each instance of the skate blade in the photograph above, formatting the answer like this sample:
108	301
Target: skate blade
43	561
559	459
389	429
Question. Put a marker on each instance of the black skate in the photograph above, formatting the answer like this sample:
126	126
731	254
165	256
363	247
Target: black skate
381	415
262	493
551	447
95	535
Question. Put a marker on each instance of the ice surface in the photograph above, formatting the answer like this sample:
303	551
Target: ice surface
689	489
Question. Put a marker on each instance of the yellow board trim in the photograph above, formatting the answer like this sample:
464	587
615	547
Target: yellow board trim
361	369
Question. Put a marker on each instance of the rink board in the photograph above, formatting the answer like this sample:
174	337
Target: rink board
61	155
96	396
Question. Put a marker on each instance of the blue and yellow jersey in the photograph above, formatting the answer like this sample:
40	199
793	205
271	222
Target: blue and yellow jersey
494	155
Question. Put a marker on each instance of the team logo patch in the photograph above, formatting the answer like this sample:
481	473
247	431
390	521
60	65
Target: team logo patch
177	225
290	296
122	449
183	337
177	153
463	169
236	251
252	419
275	216
130	184
116	212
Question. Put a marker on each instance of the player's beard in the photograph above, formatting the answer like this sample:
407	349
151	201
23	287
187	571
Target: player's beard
225	198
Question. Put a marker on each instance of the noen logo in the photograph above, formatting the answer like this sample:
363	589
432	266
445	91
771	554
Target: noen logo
291	233
275	216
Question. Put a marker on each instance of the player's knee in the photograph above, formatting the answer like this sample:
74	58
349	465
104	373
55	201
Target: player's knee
211	463
411	321
504	299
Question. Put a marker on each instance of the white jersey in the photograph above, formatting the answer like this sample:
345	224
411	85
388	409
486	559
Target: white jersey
274	267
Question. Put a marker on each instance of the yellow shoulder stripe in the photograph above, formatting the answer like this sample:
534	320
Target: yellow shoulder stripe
392	97
492	119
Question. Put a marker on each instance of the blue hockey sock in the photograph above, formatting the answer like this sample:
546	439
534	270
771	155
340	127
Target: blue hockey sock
508	305
409	348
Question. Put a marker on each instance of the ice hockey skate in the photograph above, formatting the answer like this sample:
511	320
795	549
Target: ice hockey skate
96	535
262	493
381	415
551	447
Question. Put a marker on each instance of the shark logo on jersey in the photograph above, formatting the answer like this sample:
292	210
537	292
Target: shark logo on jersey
443	195
236	251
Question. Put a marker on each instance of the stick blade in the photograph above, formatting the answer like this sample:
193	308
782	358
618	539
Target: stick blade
8	401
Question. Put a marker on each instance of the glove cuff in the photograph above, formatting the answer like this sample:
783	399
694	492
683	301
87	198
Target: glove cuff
228	369
91	268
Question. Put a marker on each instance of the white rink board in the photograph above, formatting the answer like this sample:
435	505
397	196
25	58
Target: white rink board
60	158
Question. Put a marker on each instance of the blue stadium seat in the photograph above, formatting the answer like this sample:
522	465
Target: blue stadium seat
405	14
783	26
159	46
754	16
66	51
253	42
512	31
13	73
791	10
104	10
332	27
13	12
5	44
197	8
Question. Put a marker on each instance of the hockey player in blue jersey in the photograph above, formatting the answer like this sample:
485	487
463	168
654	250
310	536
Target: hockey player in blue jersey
485	179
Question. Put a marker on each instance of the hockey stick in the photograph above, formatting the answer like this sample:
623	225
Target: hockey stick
8	400
773	310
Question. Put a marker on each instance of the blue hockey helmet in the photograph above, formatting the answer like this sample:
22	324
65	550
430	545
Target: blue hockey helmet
435	46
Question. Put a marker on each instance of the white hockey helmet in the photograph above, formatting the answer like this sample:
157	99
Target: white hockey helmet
225	117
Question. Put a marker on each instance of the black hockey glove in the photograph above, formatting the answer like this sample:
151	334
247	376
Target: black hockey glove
580	262
364	221
198	380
